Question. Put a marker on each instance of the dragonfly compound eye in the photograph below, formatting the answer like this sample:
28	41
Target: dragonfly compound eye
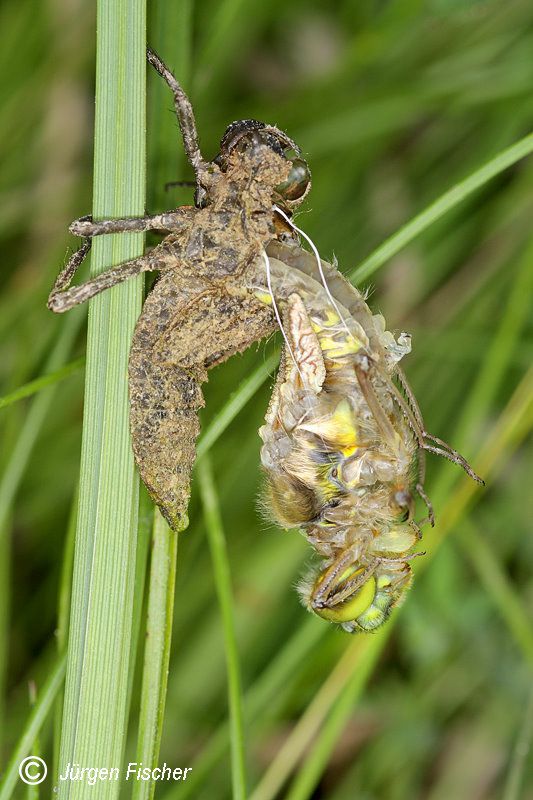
348	610
355	603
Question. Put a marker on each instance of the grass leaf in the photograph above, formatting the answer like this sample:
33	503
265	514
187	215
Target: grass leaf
32	387
96	688
502	161
221	569
38	715
157	650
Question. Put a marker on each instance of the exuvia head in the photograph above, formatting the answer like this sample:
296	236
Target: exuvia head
249	134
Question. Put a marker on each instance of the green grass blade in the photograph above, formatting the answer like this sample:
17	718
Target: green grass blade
498	354
258	698
35	418
14	471
33	792
350	690
445	203
515	778
217	544
352	668
104	567
39	713
144	539
170	26
498	587
63	617
5	612
157	650
32	387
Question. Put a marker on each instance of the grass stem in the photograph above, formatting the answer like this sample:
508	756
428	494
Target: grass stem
221	569
96	690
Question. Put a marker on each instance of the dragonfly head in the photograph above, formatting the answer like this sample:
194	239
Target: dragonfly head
368	604
250	136
355	602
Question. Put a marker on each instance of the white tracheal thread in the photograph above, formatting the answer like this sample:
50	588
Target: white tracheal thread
277	314
319	264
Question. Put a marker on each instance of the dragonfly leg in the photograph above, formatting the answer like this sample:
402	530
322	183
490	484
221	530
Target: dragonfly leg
169	221
431	514
335	586
62	298
186	121
452	455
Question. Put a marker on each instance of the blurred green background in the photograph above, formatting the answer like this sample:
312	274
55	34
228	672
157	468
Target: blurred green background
393	103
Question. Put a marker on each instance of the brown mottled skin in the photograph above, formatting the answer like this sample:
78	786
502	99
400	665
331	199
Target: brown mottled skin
198	314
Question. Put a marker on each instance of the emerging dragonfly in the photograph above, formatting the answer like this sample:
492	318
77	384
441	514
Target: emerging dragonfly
344	440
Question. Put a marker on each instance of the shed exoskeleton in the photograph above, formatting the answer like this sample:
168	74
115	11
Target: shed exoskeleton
200	311
343	442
